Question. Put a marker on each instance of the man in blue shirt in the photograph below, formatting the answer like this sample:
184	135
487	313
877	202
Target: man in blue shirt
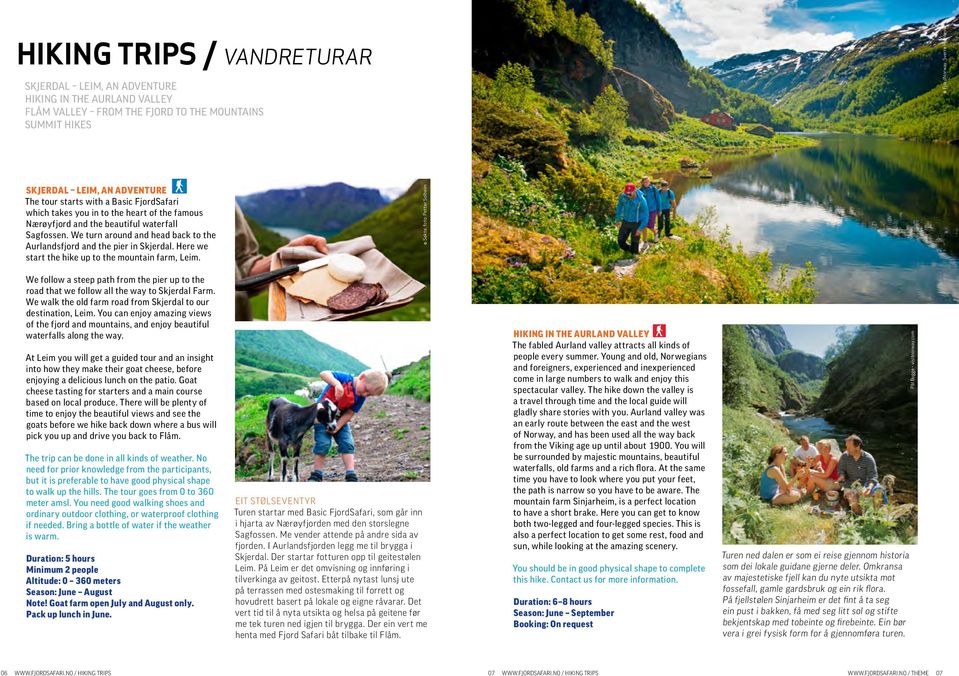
632	213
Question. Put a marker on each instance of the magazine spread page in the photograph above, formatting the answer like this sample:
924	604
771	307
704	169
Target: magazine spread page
689	272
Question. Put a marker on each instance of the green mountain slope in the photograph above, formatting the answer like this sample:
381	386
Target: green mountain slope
250	381
753	379
398	231
872	384
890	82
401	232
781	74
801	365
318	209
863	85
930	117
567	44
292	352
268	240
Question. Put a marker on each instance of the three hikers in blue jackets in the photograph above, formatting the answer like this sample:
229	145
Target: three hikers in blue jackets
637	212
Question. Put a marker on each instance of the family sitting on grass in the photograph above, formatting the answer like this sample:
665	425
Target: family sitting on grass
815	469
639	211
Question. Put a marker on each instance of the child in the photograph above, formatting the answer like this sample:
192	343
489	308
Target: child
348	393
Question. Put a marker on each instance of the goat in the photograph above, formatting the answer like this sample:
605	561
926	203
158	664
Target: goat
286	423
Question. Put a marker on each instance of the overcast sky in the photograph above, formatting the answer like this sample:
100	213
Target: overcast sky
710	30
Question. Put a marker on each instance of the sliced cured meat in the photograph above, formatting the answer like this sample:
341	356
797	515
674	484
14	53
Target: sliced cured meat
356	296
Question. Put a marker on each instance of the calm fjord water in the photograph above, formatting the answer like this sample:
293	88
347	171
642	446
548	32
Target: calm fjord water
877	217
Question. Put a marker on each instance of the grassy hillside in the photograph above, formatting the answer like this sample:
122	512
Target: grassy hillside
747	440
401	232
412	380
889	83
251	381
902	78
854	85
292	352
392	435
655	153
930	117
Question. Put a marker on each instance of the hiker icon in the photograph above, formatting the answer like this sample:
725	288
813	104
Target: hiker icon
179	186
659	330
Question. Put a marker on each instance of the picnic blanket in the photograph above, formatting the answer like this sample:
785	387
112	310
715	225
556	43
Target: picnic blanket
302	296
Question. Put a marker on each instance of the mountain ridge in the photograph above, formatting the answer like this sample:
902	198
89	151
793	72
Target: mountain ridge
318	209
780	75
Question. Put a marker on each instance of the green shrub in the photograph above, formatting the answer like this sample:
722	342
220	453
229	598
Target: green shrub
610	112
883	524
536	14
508	285
583	126
542	16
499	131
583	30
513	86
506	193
582	190
481	86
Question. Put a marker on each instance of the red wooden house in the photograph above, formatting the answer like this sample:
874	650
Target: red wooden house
720	119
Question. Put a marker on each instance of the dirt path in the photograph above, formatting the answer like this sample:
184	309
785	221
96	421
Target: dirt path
392	437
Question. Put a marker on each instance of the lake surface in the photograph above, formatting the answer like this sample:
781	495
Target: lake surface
893	456
877	217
